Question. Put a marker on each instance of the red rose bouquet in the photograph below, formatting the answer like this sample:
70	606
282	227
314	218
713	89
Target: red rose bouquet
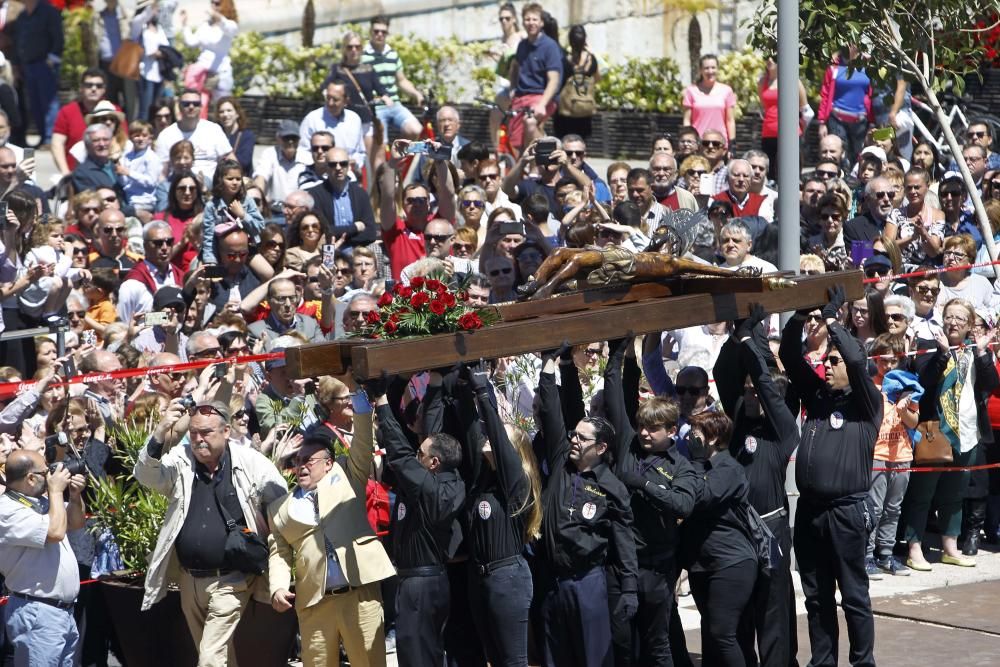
426	306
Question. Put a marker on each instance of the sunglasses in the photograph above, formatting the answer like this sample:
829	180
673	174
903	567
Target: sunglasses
89	209
833	361
237	255
489	177
504	271
813	317
592	352
824	174
379	31
437	238
324	148
929	291
79	251
949	194
93	85
240	414
312	279
883	194
712	144
575	153
467	203
187	188
159	243
207	410
692	391
76	313
189	104
345	271
343	164
896	317
274	244
830	216
975	135
114	230
695	172
207	352
417	201
463	247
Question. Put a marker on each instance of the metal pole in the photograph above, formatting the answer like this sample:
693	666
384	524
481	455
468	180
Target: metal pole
788	134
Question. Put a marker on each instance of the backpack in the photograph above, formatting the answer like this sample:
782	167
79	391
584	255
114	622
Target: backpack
576	99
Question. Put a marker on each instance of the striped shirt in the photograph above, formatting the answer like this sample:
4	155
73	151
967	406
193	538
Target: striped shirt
385	64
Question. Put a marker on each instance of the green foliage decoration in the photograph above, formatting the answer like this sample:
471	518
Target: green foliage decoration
641	85
741	70
80	46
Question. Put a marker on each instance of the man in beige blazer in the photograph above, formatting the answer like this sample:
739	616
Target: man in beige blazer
338	567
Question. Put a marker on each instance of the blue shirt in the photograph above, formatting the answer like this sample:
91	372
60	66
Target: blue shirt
111	40
534	61
343	214
966	225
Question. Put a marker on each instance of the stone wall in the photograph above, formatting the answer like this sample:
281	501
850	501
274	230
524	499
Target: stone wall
616	28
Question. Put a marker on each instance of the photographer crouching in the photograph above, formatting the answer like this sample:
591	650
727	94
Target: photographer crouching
36	559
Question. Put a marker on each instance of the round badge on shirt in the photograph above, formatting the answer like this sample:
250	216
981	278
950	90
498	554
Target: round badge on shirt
750	444
485	510
401	512
589	510
836	421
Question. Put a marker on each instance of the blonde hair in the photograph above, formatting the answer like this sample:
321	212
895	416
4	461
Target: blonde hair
810	262
533	503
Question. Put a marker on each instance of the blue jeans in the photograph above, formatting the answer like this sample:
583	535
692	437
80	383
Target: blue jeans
42	83
148	92
396	115
500	602
42	635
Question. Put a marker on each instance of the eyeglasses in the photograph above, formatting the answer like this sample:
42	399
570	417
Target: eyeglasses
312	279
92	85
882	195
113	230
237	255
712	144
188	104
955	253
576	153
159	243
975	135
416	201
437	238
833	361
955	319
814	317
310	462
187	188
467	203
504	271
928	291
489	176
345	397
575	435
342	164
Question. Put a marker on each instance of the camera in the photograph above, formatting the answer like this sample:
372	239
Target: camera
188	402
544	149
442	152
72	464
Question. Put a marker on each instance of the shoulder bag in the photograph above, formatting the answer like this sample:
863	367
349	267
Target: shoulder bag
125	64
933	447
576	99
245	550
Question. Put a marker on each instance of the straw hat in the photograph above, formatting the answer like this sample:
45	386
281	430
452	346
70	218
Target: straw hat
104	109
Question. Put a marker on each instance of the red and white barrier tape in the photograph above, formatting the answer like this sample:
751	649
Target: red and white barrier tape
928	272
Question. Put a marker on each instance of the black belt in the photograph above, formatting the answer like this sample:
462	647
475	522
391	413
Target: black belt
488	568
58	604
339	591
204	574
422	571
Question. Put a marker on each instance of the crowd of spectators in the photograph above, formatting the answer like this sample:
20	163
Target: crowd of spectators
471	523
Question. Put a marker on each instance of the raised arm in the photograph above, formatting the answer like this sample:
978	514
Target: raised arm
868	396
513	481
652	366
772	402
614	397
553	427
387	200
790	353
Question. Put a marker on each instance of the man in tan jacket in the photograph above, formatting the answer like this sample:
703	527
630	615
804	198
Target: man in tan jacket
338	567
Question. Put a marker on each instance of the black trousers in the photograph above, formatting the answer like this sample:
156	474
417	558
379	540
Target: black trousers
461	643
422	605
770	616
830	542
577	624
645	640
500	602
721	596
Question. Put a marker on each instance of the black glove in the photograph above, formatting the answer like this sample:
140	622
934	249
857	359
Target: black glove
376	387
619	345
558	352
744	328
697	449
477	376
837	300
566	353
628	604
632	479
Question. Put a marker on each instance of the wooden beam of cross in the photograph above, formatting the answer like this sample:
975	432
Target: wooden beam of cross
540	327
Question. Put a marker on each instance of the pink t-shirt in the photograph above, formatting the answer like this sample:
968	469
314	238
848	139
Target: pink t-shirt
708	112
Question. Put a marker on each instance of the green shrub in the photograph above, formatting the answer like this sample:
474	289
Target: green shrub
741	70
641	85
80	46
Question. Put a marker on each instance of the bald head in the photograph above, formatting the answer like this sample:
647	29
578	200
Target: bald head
831	147
20	463
438	237
164	359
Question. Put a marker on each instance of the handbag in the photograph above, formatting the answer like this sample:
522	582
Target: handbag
576	99
245	551
933	446
125	64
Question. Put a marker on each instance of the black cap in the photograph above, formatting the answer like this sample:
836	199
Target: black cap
169	296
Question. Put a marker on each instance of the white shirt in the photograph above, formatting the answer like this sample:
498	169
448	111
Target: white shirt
210	144
753	260
29	563
280	175
134	297
968	415
302	508
461	264
502	201
346	130
215	40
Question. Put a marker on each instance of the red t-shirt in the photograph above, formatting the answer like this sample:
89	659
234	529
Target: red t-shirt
404	246
71	123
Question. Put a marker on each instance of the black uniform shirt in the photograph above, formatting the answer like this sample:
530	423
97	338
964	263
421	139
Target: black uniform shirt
586	519
427	503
